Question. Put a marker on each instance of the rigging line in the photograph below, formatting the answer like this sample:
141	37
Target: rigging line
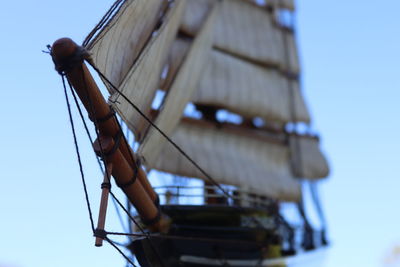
120	251
121	220
78	155
93	112
140	228
175	145
129	215
119	243
163	134
134	162
296	141
291	89
105	165
128	207
103	21
176	237
84	123
97	133
91	140
317	202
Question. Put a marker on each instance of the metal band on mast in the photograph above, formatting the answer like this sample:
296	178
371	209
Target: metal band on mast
68	58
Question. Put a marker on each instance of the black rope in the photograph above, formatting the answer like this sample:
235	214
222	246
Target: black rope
307	242
66	65
62	70
308	234
78	155
177	237
106	117
121	220
104	20
140	229
165	136
120	251
317	203
161	132
84	122
129	183
105	165
175	145
108	184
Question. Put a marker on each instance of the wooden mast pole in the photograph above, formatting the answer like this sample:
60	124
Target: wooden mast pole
105	190
68	57
65	50
125	178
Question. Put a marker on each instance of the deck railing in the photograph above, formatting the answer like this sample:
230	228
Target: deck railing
230	196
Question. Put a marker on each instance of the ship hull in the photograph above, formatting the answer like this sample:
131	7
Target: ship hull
210	236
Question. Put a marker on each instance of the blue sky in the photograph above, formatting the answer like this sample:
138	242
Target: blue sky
351	82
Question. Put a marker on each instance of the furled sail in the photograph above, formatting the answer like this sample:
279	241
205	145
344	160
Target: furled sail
176	56
230	79
250	90
182	86
141	82
247	31
121	40
307	158
231	54
244	158
139	79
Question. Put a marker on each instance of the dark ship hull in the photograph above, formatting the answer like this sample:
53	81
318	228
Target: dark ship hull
212	235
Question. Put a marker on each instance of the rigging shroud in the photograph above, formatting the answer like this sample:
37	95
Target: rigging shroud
119	43
142	80
248	160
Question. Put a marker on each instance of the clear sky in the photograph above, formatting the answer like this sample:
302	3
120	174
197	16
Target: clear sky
350	56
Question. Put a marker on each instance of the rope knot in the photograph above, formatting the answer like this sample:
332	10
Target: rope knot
106	185
65	65
100	233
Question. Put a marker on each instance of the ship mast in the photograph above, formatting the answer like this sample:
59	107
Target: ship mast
111	145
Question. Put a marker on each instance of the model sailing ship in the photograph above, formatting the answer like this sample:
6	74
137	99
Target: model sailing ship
232	57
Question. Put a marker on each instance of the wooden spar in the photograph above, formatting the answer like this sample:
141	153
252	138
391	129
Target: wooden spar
68	58
64	51
125	178
105	190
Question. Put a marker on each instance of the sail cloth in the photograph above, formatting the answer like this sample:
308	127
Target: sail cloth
307	158
244	159
285	4
142	80
282	4
250	90
176	56
247	31
182	87
121	40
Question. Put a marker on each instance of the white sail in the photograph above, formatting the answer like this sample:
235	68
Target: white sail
242	158
307	158
182	88
238	60
142	80
250	90
285	4
121	40
176	56
248	31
